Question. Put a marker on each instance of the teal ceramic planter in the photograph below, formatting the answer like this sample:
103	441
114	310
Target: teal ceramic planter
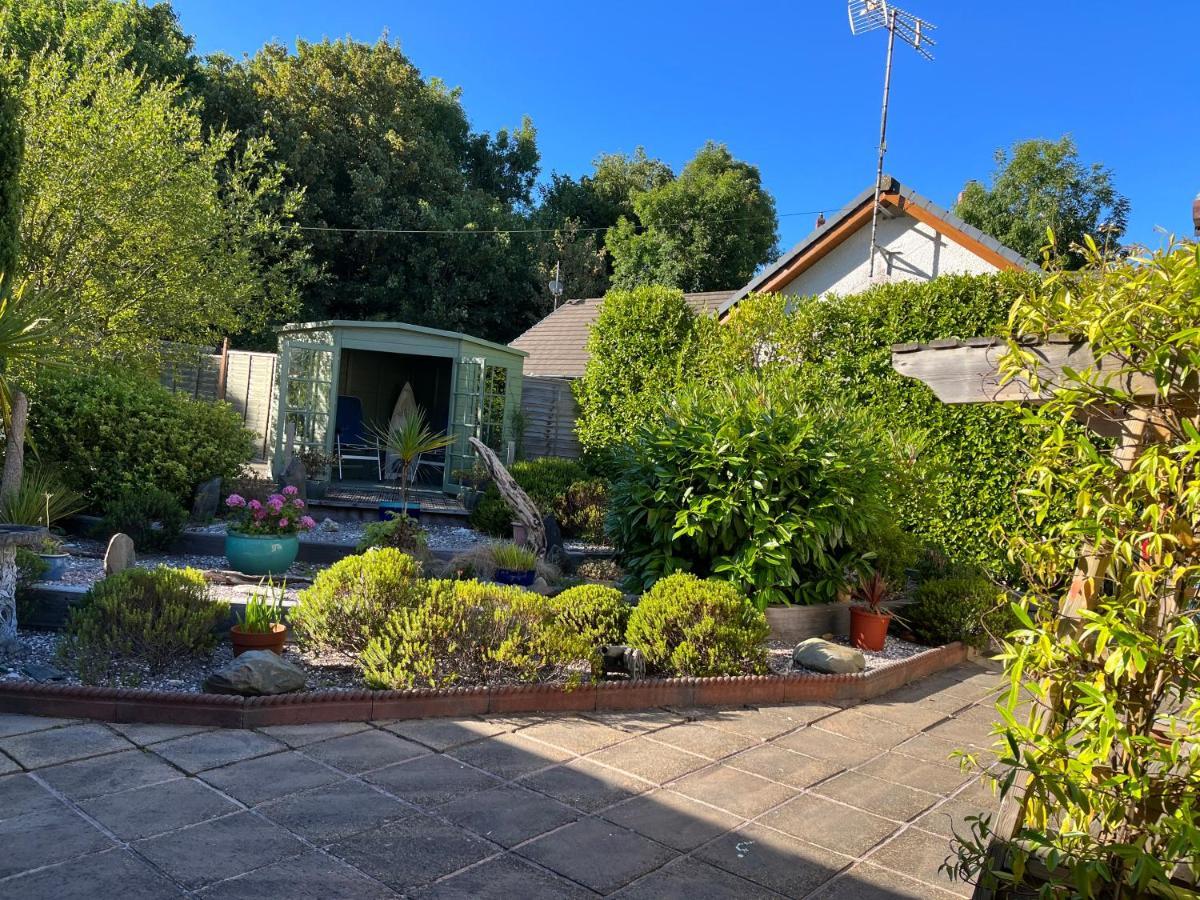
261	554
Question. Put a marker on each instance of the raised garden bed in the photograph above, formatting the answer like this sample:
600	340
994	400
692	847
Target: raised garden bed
135	705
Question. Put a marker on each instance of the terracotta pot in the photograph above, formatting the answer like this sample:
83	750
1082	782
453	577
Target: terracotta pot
258	640
867	629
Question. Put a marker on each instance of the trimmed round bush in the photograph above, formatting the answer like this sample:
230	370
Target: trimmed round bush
147	616
688	626
350	601
152	517
596	613
967	608
468	631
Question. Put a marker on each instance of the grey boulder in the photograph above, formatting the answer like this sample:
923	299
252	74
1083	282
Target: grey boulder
823	656
255	673
120	554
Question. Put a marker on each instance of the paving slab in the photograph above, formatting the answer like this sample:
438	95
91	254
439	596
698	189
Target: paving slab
219	849
213	749
953	817
37	749
575	735
672	819
302	735
586	785
865	729
327	814
774	860
510	755
816	742
502	878
597	854
783	765
909	771
413	852
431	780
47	836
15	723
154	809
656	763
313	876
636	721
113	873
364	750
699	738
920	854
100	775
842	829
8	765
868	882
876	795
22	794
146	733
734	791
692	879
264	778
508	815
444	734
755	723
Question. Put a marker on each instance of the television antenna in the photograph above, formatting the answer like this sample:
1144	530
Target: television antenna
871	15
556	285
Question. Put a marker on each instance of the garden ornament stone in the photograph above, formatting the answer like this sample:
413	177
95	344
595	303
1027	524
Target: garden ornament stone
120	554
824	656
296	475
621	660
11	537
327	524
207	500
256	673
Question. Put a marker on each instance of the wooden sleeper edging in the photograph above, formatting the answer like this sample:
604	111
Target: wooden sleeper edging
225	711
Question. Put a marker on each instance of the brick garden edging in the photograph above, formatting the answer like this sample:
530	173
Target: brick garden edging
130	705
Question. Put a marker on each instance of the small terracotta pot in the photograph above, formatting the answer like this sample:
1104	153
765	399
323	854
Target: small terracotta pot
867	629
258	640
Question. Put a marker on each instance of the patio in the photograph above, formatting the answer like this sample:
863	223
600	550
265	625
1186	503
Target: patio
796	801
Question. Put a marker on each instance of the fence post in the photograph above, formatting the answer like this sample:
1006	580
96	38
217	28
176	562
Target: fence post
223	369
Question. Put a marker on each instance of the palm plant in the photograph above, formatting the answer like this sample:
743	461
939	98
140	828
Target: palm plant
41	499
407	441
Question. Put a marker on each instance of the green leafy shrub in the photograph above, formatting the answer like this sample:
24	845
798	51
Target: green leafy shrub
468	631
967	608
513	558
600	569
558	487
688	626
348	603
149	617
592	615
641	347
745	483
110	431
400	533
838	349
151	516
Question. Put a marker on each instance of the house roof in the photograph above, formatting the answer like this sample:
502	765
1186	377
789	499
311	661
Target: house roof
895	198
557	345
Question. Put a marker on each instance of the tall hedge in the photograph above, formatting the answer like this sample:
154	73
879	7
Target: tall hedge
839	349
108	431
11	148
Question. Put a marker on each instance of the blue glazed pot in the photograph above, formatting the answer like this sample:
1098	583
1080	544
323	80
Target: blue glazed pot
261	554
56	565
389	509
513	577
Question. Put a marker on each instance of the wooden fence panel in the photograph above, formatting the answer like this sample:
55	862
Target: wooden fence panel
249	388
550	410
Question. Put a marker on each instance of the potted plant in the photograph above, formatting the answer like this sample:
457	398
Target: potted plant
263	538
407	440
55	557
260	626
869	619
514	565
316	464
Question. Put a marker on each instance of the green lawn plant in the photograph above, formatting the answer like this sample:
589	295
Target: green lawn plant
1101	720
513	558
745	482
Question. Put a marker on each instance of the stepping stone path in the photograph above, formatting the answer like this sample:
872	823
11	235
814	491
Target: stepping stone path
807	800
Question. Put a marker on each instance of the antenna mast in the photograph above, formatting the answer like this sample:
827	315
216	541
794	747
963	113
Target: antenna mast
870	15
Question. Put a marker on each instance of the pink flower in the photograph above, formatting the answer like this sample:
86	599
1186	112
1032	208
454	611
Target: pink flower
254	505
275	503
307	522
298	503
235	500
260	514
290	490
283	523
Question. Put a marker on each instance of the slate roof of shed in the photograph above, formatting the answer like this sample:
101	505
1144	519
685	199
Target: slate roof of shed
557	345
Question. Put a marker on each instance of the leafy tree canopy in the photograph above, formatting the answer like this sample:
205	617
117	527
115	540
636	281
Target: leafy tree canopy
1042	184
708	229
374	145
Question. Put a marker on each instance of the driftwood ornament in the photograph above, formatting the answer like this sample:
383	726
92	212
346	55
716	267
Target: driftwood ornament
518	501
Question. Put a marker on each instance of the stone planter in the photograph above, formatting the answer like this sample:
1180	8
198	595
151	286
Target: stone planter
389	509
258	640
261	554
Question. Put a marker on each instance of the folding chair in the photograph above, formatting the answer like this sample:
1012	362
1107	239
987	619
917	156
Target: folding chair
352	440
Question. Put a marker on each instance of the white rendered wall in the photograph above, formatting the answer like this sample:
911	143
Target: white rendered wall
914	252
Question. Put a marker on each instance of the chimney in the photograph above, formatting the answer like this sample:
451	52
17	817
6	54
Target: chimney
1196	214
821	218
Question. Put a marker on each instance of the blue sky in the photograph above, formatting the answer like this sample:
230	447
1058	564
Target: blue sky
786	86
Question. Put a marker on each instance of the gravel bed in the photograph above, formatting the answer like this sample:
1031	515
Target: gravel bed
779	654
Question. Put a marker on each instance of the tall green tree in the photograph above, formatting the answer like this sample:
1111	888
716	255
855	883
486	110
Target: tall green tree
708	229
383	153
1042	184
11	151
134	223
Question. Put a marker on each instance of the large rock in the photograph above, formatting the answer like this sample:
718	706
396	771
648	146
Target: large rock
207	500
296	476
254	673
120	554
824	656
